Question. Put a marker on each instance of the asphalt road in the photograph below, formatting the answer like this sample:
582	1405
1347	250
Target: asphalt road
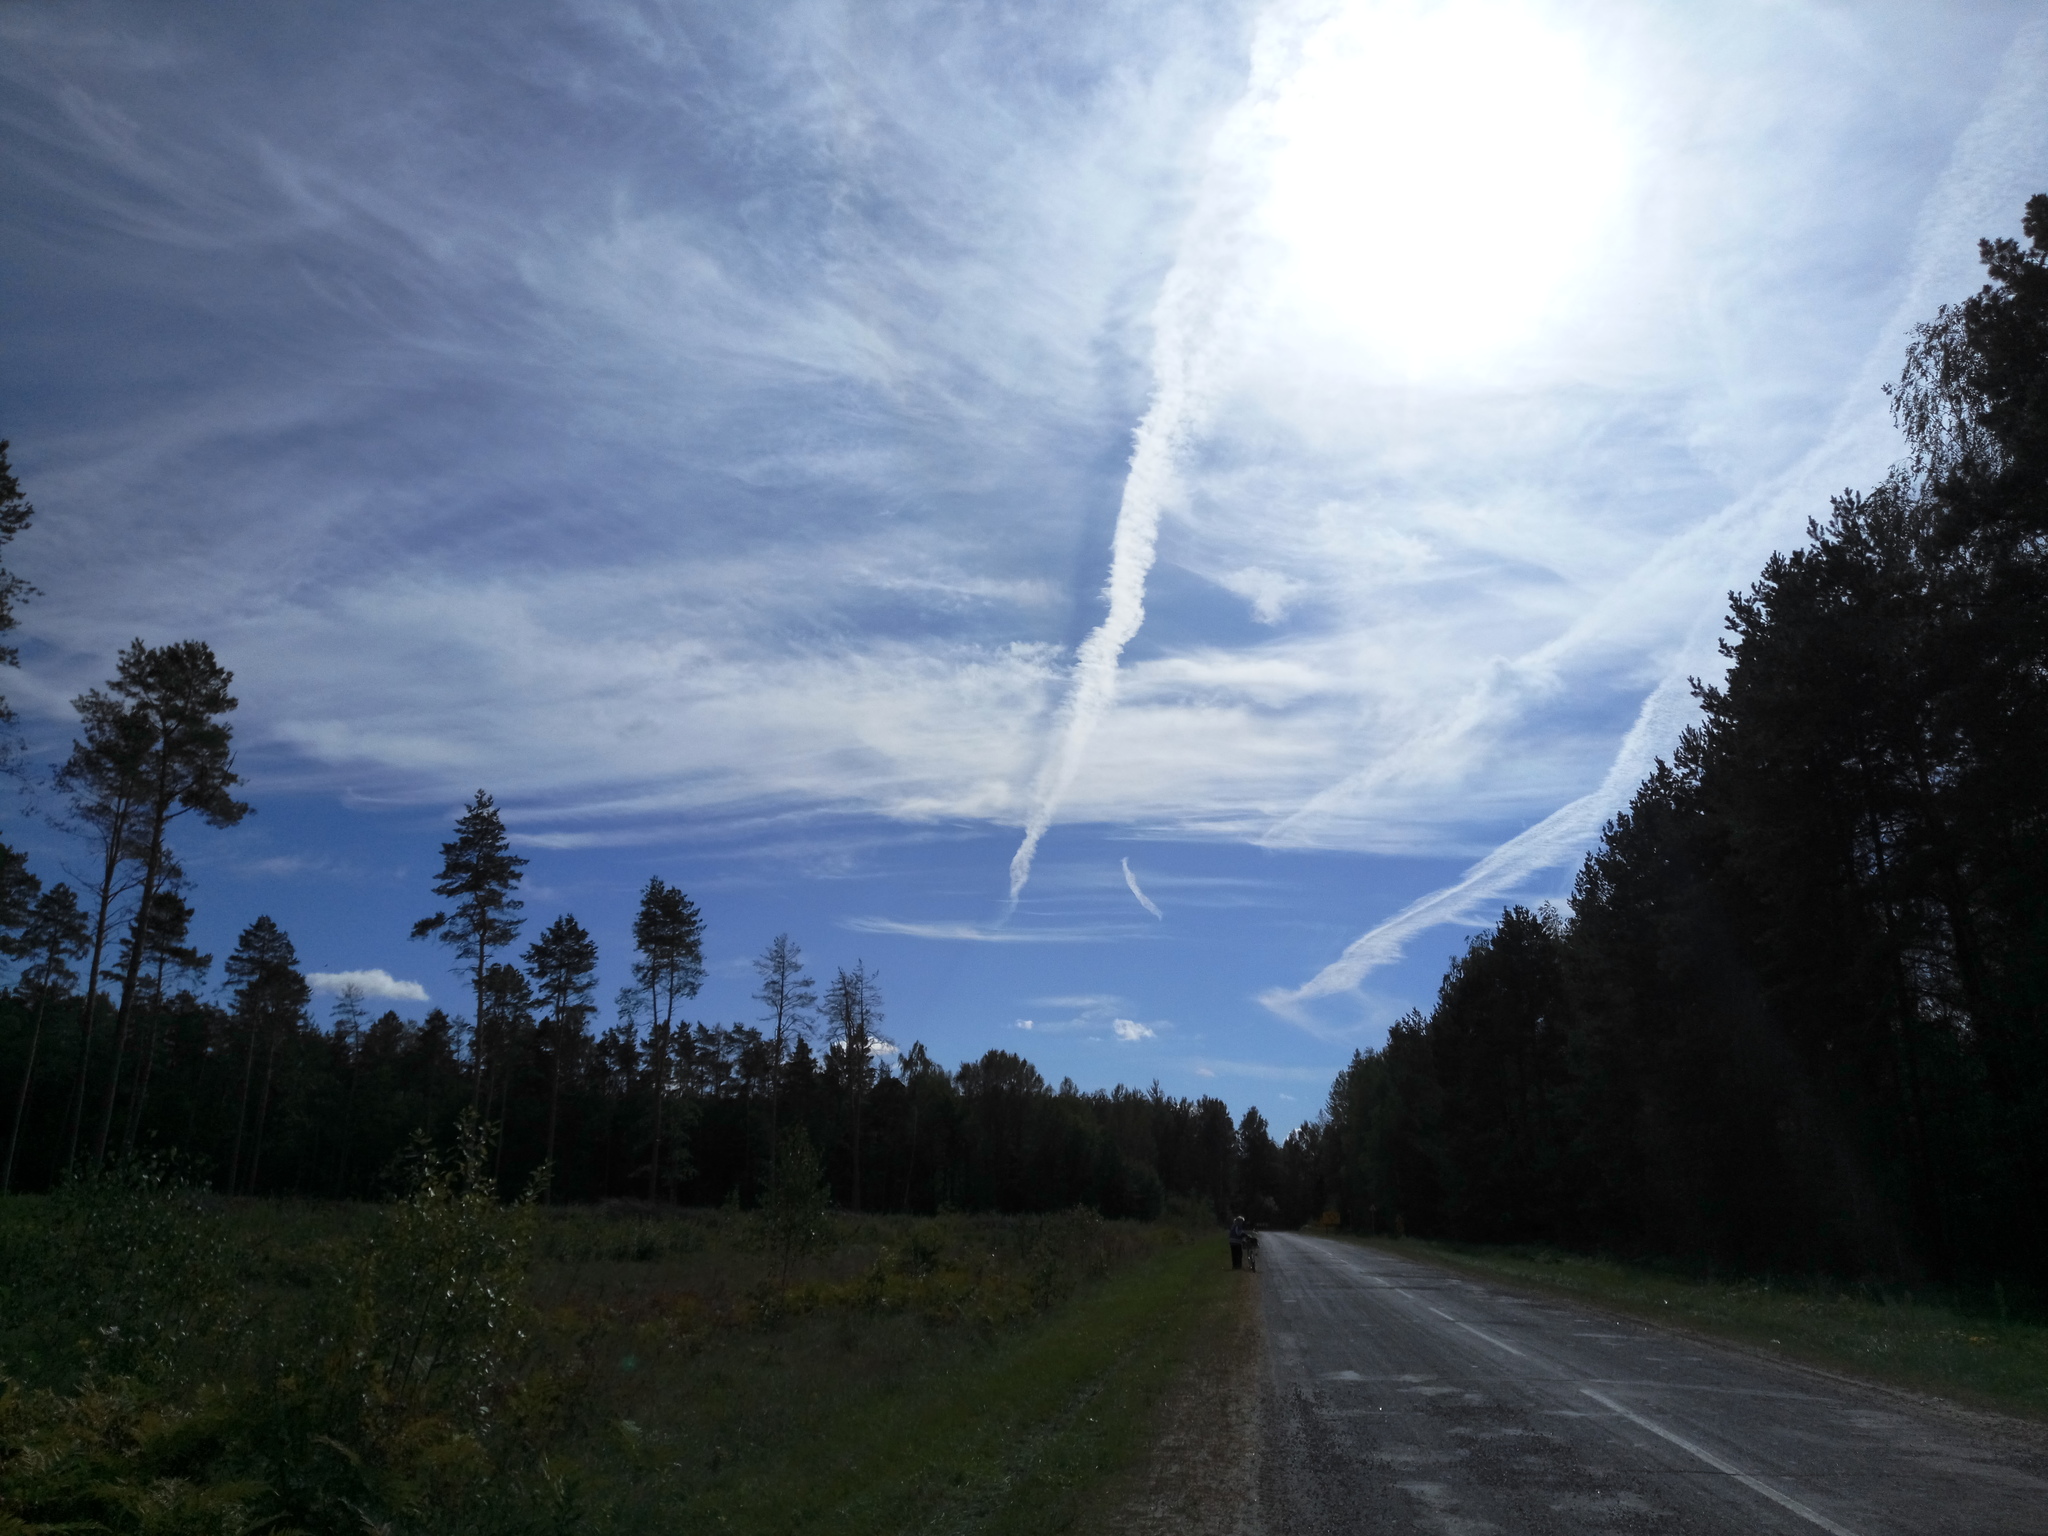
1404	1398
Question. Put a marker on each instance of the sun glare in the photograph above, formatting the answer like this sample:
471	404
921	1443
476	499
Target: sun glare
1441	175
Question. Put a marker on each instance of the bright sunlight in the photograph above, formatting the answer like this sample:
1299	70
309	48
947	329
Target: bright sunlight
1442	175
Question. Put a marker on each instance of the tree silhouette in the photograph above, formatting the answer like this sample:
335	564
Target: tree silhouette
55	932
479	873
563	964
668	932
787	998
853	1012
165	950
177	696
104	781
270	1000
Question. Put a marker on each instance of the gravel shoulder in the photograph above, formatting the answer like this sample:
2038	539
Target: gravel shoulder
1200	1476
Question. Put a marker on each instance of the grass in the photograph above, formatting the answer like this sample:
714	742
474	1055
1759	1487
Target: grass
172	1362
1890	1334
1011	1435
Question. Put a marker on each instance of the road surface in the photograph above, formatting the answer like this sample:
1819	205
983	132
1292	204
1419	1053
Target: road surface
1404	1398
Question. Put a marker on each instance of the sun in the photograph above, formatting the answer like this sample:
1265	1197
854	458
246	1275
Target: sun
1442	177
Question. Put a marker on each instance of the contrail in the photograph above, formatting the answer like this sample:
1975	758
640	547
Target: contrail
1550	842
1151	484
1195	305
1996	161
1143	900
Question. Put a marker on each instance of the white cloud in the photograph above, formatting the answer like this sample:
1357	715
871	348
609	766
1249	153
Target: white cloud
1131	1029
1270	593
371	983
1026	1024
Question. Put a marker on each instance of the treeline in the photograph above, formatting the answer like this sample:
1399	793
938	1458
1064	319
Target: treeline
1798	1013
260	1097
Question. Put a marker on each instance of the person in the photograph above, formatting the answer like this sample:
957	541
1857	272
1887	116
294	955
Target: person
1237	1229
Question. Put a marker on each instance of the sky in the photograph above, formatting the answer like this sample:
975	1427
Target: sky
1147	524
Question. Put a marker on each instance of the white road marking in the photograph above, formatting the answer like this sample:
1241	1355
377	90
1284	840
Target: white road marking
1755	1484
1496	1343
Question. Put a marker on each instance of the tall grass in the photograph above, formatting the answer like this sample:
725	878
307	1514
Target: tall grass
170	1361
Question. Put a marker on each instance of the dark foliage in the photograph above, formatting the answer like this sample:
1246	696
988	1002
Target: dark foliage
1799	1015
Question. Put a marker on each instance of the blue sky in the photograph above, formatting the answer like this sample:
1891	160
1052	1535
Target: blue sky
888	467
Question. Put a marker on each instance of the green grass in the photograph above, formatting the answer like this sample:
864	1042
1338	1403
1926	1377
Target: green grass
1888	1334
171	1362
1013	1434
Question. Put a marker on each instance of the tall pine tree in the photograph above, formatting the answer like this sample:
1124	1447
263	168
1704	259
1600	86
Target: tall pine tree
479	873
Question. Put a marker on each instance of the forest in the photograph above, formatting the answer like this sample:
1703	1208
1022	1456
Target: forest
261	1096
1796	1017
113	1050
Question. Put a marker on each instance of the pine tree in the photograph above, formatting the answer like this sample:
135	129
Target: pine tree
479	873
853	1010
563	964
105	782
164	950
668	932
270	1001
788	999
178	694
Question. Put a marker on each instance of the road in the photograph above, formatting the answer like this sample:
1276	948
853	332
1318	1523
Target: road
1404	1398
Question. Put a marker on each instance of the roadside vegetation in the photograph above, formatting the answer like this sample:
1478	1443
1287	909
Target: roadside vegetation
174	1361
1967	1347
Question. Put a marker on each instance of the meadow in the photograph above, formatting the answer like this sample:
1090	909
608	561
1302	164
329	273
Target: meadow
174	1361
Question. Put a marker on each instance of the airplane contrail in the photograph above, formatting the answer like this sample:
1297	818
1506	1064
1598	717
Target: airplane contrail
1143	900
1195	303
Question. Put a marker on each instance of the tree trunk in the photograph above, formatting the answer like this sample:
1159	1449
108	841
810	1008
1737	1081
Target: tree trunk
138	943
139	1099
28	1073
554	1102
263	1108
101	921
348	1110
242	1112
656	1042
